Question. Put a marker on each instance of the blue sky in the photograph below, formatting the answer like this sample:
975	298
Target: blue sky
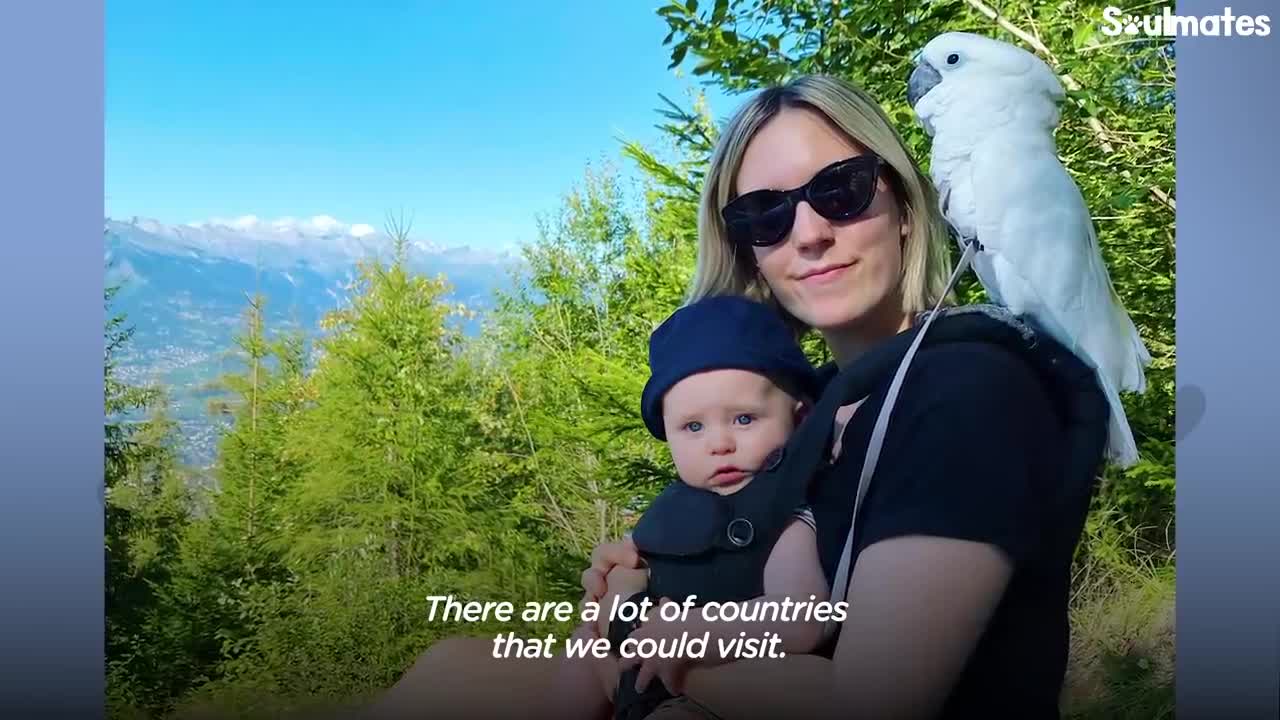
472	118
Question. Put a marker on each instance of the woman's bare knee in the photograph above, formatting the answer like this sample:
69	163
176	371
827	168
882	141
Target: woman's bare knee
448	652
459	677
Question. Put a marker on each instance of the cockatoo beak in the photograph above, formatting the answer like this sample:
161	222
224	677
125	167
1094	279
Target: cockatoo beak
922	80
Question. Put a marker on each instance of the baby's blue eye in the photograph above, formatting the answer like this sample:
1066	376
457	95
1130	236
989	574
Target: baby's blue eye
743	419
693	426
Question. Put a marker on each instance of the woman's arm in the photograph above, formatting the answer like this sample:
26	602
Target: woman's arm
794	570
917	607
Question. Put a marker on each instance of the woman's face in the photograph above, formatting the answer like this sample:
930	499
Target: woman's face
838	277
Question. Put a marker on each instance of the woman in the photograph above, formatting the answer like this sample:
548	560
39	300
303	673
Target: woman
961	562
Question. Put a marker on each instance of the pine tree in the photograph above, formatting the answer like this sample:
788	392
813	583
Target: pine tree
147	505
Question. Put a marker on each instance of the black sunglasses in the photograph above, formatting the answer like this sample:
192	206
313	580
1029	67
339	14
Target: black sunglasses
839	191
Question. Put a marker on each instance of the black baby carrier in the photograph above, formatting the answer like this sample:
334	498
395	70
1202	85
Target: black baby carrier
696	542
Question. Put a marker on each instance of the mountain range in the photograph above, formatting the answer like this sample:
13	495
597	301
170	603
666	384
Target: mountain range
185	290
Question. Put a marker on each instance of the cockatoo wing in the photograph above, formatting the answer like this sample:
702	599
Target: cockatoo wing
1043	258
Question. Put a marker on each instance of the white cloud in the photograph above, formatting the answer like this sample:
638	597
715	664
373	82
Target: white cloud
322	241
325	223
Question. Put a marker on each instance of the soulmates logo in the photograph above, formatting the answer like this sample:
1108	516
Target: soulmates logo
1167	24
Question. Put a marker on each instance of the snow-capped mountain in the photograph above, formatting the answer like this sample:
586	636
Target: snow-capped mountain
320	242
185	289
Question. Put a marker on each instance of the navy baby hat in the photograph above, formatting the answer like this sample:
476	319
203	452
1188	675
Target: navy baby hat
718	333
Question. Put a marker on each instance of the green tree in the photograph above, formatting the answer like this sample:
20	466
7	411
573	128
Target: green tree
253	471
147	509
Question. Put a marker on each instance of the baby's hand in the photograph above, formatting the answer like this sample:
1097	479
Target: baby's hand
667	633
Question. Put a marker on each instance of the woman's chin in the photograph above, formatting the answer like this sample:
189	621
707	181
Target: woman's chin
833	317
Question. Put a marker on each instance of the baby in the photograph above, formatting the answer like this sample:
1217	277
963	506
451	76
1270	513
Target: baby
728	386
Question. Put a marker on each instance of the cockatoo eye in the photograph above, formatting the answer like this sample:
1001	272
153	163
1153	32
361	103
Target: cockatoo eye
952	59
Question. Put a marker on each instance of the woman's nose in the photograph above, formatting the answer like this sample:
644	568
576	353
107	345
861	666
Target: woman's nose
810	230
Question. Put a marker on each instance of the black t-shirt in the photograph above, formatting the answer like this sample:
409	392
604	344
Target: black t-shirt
973	451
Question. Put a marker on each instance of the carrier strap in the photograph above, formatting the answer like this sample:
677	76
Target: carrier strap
841	582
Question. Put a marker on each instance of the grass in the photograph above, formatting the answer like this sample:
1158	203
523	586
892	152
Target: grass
1123	630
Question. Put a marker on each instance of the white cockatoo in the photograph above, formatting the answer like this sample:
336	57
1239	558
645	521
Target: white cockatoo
991	109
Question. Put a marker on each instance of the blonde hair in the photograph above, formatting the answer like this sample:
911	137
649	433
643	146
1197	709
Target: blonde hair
723	269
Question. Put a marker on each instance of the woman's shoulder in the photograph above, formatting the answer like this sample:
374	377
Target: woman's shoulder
973	356
971	371
970	350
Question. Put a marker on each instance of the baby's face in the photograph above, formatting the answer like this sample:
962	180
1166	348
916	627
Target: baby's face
721	426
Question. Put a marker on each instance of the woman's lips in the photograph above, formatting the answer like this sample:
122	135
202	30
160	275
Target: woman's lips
827	276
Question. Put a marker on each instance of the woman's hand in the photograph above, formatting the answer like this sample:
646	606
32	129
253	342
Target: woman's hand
667	633
604	558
